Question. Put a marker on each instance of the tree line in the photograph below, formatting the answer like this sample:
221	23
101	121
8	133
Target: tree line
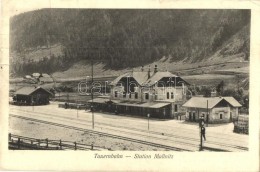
127	38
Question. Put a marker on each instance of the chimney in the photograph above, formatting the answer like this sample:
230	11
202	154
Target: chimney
155	69
149	75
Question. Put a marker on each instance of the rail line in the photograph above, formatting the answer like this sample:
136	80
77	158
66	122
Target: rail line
158	133
135	129
103	134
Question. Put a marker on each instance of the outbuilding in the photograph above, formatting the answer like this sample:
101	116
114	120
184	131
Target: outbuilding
32	96
212	109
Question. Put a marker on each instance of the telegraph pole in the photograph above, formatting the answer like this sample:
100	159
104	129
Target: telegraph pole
77	109
207	117
92	93
148	116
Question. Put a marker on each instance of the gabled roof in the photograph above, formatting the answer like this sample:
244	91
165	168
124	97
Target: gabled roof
140	77
158	76
232	101
29	90
201	102
115	81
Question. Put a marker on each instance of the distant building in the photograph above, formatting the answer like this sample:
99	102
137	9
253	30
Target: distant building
32	96
28	77
45	78
220	109
36	75
159	94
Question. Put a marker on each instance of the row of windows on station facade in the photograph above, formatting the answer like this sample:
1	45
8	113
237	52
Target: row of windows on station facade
203	115
169	95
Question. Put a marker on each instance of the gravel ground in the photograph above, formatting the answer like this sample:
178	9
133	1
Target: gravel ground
41	131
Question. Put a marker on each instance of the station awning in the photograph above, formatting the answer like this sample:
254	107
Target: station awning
130	103
103	100
145	105
134	104
159	105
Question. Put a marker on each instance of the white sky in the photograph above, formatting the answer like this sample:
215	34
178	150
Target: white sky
14	7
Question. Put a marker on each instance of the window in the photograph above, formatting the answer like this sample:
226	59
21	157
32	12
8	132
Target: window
124	94
116	93
130	95
168	95
176	108
136	95
220	116
172	96
146	96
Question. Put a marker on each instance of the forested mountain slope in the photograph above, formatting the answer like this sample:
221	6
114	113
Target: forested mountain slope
51	40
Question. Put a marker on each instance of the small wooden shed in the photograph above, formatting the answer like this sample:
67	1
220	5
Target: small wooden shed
212	109
32	96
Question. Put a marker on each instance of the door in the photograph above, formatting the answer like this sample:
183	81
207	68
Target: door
194	116
190	116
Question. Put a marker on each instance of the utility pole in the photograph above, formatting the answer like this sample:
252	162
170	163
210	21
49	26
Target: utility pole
148	115
207	117
77	109
92	94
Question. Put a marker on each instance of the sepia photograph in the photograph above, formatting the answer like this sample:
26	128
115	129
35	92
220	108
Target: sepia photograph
151	87
129	79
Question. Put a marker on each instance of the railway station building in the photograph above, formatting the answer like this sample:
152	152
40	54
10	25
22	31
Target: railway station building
159	94
32	96
212	109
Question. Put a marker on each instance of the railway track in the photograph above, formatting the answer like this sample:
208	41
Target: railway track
102	133
171	137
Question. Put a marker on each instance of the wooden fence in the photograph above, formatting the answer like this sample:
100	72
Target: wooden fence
17	142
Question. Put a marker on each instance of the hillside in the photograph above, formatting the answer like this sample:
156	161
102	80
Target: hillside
58	40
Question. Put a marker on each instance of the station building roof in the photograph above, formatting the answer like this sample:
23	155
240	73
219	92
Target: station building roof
142	77
201	102
30	90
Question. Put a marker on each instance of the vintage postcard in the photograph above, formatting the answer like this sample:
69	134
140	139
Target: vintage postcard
136	86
